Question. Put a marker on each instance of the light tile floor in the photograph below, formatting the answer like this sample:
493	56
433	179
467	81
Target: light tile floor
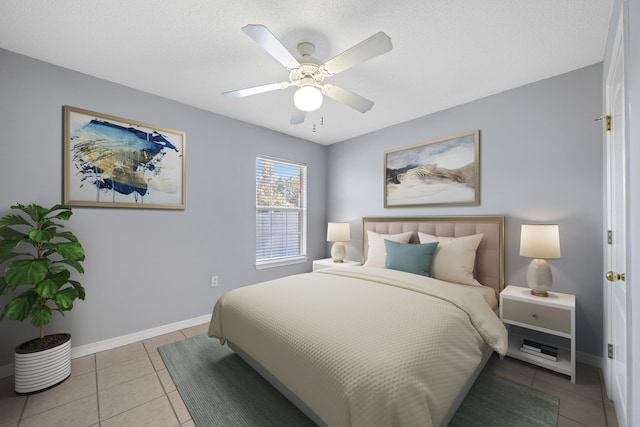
130	386
582	404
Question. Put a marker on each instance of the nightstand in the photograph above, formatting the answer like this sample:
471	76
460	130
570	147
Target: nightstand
554	315
319	264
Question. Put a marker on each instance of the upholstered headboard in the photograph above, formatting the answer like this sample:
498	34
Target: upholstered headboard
489	266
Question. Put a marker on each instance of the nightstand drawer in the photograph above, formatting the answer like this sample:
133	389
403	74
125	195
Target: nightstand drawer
541	316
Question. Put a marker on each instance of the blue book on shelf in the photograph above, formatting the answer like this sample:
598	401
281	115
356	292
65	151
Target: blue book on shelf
539	347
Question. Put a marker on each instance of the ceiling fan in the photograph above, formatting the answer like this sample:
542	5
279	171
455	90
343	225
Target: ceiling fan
308	73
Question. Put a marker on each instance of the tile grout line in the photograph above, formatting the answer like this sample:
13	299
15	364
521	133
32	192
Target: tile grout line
166	394
100	420
175	413
533	378
131	409
178	393
603	397
24	407
95	369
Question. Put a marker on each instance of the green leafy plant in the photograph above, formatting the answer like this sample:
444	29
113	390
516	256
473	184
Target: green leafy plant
38	256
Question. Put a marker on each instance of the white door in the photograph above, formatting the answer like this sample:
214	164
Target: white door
615	287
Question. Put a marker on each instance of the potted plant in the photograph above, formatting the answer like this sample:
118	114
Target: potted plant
37	258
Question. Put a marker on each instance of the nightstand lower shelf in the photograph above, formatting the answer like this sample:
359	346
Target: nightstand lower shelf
562	365
550	320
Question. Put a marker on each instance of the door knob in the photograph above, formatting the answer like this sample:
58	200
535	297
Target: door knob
612	276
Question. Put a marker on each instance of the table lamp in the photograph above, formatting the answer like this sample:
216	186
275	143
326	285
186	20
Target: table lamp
540	242
338	232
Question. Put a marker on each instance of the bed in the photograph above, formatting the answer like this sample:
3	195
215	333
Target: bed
382	343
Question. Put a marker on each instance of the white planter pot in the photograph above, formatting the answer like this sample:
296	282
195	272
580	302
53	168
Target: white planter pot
38	370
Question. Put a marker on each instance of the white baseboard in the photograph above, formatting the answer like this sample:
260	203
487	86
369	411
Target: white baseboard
84	350
96	347
589	359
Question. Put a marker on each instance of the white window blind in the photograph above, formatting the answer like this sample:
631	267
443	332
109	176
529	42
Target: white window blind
281	211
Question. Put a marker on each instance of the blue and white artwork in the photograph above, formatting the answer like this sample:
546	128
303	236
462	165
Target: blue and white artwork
113	161
443	172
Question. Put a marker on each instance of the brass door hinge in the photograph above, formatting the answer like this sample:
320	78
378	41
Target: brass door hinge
607	121
610	351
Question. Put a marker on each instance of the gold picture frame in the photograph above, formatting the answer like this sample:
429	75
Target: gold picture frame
444	172
110	161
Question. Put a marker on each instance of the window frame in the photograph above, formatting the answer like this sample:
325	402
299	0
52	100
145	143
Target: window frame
302	210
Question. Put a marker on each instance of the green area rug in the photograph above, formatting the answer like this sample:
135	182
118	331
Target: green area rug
220	389
497	402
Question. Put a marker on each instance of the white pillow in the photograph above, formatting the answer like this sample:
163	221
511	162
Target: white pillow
377	252
454	258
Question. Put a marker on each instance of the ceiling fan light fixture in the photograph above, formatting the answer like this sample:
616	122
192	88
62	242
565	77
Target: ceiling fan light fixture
307	98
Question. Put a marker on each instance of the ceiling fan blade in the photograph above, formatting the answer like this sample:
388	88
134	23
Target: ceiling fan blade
240	93
346	97
261	35
297	116
375	45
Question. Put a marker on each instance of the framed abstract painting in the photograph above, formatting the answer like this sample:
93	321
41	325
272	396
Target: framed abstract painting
114	162
445	172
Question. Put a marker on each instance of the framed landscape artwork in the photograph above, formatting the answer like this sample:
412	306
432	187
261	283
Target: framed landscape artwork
444	172
115	162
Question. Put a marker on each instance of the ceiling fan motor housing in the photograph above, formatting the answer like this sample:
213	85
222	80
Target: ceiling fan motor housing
307	74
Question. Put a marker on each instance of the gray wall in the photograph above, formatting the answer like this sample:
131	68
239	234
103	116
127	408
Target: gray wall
145	268
541	161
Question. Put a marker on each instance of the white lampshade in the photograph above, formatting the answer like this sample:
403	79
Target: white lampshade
307	98
539	241
338	232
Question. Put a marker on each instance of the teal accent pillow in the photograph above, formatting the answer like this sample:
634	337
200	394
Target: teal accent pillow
412	258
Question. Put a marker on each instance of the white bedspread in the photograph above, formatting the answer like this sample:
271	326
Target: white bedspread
363	346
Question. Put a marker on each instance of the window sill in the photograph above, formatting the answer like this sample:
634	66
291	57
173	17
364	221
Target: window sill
281	262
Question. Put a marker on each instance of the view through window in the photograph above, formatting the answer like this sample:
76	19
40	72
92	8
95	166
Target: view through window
281	211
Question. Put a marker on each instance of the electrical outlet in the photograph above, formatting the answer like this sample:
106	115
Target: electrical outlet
214	281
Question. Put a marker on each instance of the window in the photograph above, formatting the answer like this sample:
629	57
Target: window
281	212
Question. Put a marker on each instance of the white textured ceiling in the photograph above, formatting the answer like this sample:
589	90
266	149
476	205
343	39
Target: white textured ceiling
445	52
